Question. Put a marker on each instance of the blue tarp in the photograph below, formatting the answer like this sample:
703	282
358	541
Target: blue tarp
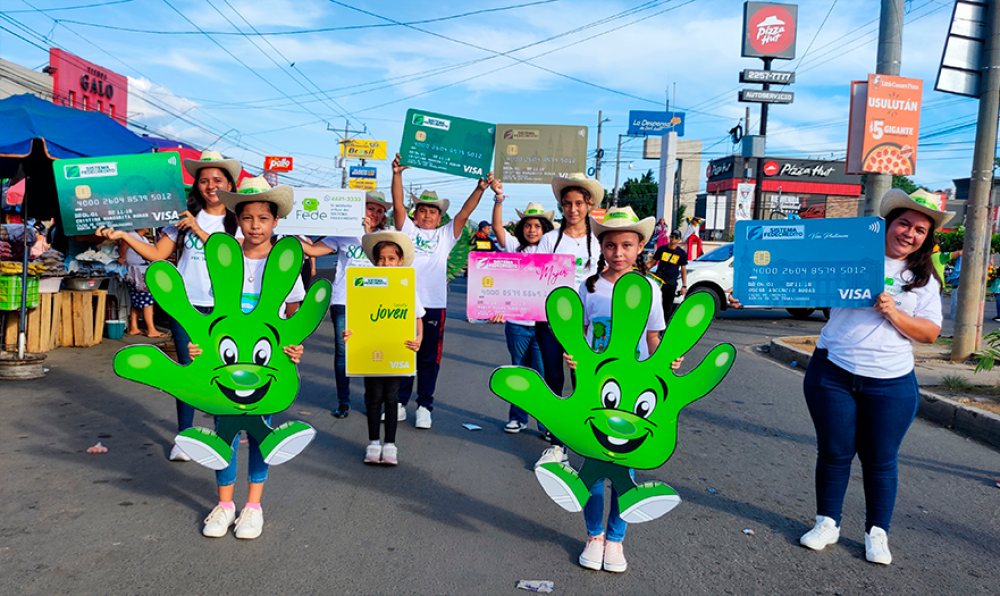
66	132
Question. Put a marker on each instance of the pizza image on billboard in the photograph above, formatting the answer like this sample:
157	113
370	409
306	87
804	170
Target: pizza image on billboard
890	158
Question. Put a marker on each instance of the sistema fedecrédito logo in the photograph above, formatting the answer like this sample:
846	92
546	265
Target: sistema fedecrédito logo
776	232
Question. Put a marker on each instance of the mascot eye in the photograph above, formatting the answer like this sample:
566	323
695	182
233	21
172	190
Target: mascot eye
645	405
261	352
611	395
228	351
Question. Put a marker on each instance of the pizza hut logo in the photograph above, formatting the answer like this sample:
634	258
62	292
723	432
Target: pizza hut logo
717	169
770	30
771	168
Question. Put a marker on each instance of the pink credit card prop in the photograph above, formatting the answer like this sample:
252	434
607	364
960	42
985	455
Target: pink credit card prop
514	284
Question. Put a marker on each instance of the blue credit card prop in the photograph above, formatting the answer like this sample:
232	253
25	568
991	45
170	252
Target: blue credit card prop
809	263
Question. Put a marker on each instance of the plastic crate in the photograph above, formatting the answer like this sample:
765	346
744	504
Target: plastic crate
10	292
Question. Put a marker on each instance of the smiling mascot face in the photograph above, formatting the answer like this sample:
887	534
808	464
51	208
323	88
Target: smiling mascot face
623	411
242	369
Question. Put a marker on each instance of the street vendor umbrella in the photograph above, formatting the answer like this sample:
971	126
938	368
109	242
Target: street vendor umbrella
33	132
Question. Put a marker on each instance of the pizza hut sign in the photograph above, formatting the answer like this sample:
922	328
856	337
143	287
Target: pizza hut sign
769	30
792	170
718	168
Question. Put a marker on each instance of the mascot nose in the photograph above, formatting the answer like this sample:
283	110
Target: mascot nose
245	378
621	426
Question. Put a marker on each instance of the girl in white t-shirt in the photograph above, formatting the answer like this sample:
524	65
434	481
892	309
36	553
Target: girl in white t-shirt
576	196
349	254
135	281
522	344
205	215
622	236
258	213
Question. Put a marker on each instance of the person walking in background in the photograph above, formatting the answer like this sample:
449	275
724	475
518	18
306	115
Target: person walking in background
481	240
670	261
135	282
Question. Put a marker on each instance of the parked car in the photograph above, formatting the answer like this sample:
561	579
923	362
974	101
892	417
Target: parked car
712	274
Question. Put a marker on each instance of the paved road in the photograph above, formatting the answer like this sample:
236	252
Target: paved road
463	513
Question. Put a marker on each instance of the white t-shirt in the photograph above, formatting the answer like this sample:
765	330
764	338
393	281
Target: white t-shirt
863	342
576	247
349	254
251	290
597	315
511	244
132	257
430	261
192	265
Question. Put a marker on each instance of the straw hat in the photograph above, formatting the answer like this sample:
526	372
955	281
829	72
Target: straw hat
623	219
213	159
536	210
368	242
429	197
897	199
256	189
581	180
374	196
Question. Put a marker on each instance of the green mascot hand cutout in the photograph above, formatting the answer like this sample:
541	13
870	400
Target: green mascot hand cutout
242	374
623	412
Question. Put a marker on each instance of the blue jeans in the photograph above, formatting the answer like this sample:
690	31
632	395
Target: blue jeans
524	351
338	313
185	412
593	513
858	415
257	473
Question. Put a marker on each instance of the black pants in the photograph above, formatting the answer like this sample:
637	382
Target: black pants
552	362
428	361
379	392
668	293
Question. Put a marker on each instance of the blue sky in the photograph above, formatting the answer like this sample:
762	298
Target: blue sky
253	95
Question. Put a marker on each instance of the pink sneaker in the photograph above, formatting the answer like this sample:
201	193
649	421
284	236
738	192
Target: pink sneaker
593	553
373	454
614	557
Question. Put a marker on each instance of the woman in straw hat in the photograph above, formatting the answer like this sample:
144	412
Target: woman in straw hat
522	344
576	196
349	254
432	244
860	386
205	215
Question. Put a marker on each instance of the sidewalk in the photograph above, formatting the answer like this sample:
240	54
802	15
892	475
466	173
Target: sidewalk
932	365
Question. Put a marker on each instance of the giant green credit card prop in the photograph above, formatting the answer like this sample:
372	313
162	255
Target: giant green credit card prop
623	412
447	144
125	192
242	374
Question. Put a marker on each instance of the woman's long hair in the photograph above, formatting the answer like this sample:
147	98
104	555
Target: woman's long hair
639	265
562	224
547	227
196	204
919	262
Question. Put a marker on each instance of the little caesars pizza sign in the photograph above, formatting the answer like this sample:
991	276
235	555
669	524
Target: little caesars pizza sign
769	30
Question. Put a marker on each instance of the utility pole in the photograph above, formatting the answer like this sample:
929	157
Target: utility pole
600	153
343	143
758	190
618	167
890	45
969	318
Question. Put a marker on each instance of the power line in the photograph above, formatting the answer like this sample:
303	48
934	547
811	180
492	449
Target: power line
43	10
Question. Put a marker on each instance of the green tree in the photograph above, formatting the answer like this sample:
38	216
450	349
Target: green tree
640	194
901	182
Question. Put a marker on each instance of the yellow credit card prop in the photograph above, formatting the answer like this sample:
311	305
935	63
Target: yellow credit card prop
380	304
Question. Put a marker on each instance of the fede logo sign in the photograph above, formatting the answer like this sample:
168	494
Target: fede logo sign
769	30
278	164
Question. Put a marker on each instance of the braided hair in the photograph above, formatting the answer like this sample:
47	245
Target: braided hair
639	265
562	224
519	231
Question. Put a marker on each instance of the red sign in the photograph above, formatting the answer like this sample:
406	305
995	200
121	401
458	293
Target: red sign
769	30
885	125
80	84
770	168
278	164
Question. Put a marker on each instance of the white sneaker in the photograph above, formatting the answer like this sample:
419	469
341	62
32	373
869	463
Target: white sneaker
249	524
554	454
423	419
400	413
177	455
823	534
877	546
218	521
373	454
592	556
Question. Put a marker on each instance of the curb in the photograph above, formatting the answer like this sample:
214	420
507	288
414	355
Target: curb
973	423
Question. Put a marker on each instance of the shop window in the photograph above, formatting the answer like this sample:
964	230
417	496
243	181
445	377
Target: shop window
111	110
100	106
86	103
72	99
